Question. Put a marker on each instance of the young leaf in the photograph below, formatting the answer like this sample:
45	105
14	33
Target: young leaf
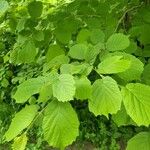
64	88
60	124
106	97
20	142
21	121
136	100
117	42
112	65
140	141
83	88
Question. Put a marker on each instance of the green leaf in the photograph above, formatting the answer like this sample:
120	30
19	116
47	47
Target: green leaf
146	74
20	142
60	124
64	88
35	9
121	118
83	36
106	97
56	62
140	141
112	65
53	51
76	68
136	100
117	42
83	88
3	6
21	121
97	36
78	51
28	88
27	52
45	93
63	35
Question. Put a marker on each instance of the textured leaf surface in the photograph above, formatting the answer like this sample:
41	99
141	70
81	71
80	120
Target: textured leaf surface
117	41
140	141
114	64
60	124
21	121
136	100
20	142
64	88
106	97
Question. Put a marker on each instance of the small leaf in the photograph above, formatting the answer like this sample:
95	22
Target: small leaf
140	141
117	42
60	124
136	100
21	121
20	142
112	65
64	88
106	97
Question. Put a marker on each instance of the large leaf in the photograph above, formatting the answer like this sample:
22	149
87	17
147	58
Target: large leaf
114	64
64	88
83	88
106	97
20	142
28	88
140	141
117	42
60	124
136	100
21	121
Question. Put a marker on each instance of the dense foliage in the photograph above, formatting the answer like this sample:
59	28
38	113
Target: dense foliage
74	72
